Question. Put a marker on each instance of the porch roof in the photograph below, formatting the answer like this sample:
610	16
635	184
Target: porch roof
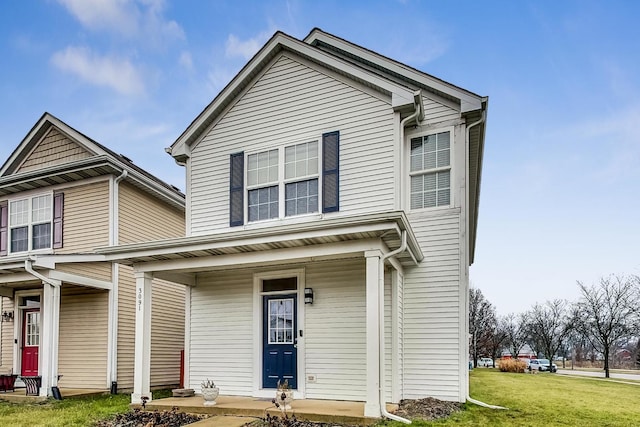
387	227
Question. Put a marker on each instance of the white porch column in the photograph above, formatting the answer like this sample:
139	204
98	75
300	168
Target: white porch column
373	279
49	335
142	361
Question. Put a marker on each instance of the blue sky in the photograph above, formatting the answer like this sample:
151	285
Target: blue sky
560	195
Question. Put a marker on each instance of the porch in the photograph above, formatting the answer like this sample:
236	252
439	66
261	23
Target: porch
327	411
20	396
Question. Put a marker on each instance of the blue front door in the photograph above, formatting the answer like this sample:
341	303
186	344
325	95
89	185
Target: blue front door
279	337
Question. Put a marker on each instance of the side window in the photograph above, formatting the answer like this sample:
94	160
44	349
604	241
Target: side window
430	170
301	178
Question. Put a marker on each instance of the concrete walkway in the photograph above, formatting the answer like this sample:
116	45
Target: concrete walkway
249	408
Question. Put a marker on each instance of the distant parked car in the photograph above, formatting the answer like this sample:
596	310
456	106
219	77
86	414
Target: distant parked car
542	365
485	362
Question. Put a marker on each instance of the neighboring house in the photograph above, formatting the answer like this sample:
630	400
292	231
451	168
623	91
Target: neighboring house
325	171
67	311
526	352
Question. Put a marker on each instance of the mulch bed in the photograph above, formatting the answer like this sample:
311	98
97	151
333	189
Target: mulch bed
138	418
425	409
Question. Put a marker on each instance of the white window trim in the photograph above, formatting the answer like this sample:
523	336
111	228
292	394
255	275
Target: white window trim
281	183
30	223
409	135
298	273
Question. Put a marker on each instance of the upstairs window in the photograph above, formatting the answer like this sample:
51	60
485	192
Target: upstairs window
296	183
31	223
285	181
430	171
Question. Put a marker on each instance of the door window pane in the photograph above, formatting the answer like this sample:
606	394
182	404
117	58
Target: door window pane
281	321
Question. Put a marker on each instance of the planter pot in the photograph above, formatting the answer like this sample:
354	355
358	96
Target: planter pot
284	399
210	395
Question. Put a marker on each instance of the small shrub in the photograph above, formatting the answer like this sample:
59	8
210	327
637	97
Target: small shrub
512	365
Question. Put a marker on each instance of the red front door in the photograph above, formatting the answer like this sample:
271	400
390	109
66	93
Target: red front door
30	341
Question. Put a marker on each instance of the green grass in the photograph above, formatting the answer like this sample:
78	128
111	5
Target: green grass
545	400
72	412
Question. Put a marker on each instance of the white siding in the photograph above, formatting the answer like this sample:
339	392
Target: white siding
432	310
294	103
335	331
388	326
222	332
437	112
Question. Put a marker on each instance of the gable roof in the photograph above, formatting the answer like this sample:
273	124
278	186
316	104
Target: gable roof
401	95
102	161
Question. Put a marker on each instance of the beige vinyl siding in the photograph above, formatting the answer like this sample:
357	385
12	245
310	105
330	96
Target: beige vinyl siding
432	310
126	325
222	331
6	337
335	331
82	357
167	330
92	270
54	149
86	218
293	103
438	112
143	217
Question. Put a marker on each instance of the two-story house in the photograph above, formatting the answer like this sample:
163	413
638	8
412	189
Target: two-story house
332	199
66	311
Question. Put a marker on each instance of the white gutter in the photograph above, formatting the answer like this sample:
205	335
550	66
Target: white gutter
468	131
29	268
383	405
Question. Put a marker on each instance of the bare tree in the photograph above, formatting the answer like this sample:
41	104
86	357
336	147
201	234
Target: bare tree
515	329
549	326
497	339
482	318
607	312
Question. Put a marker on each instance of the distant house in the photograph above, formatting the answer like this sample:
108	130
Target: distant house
65	311
526	352
332	203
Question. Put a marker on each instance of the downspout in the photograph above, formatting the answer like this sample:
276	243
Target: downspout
468	132
382	362
112	358
28	266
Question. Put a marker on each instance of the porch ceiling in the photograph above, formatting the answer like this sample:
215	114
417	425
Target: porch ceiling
387	227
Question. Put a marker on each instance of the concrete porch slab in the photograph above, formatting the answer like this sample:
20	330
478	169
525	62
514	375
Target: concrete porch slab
326	411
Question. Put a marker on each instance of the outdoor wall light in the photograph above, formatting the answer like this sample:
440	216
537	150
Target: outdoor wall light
308	295
7	316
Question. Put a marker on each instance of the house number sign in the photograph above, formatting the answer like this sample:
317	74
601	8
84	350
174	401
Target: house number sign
139	298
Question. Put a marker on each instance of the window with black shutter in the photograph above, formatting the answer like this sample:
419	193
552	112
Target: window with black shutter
236	190
330	172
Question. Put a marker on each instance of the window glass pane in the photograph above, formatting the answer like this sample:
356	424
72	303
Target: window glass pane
429	182
263	203
301	160
19	212
443	141
41	236
430	190
301	197
281	321
19	239
41	208
262	167
429	199
443	158
444	179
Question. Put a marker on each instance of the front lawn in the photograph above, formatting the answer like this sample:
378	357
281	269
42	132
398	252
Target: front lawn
545	400
73	411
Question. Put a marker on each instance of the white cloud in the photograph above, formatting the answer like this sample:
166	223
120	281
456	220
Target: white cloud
218	78
245	48
116	73
142	19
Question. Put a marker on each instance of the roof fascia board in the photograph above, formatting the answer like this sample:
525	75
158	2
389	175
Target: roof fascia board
468	101
261	257
400	96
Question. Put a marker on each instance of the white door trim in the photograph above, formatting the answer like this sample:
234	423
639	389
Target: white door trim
299	274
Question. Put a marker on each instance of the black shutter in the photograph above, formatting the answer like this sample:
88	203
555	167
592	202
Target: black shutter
58	213
4	227
330	172
236	190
